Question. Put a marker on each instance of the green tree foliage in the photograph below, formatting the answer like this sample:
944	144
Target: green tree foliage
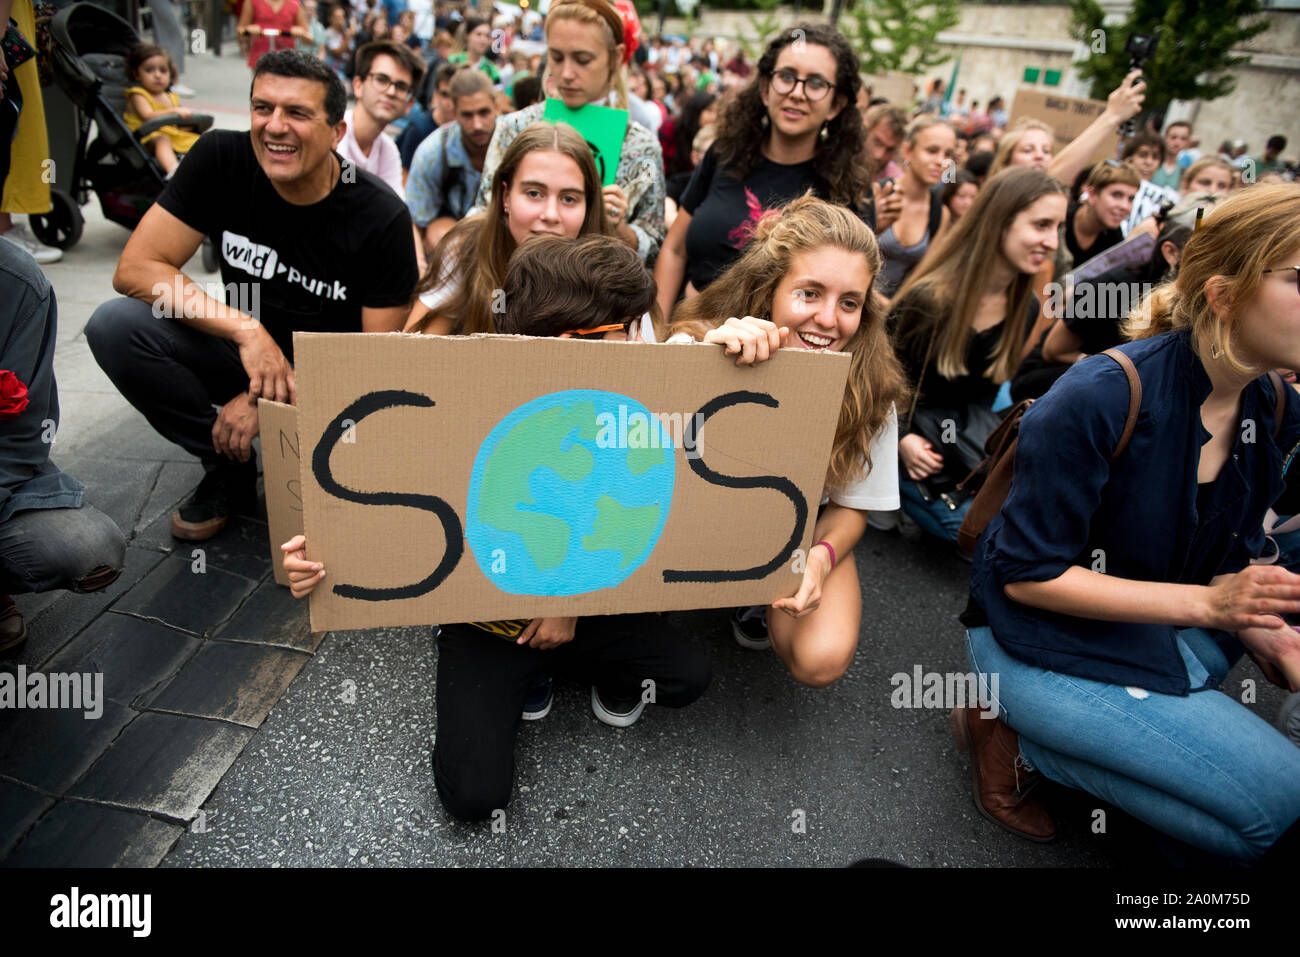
900	34
1191	58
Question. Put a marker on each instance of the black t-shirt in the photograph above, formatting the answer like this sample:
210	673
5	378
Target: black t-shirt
935	390
724	210
1105	239
314	267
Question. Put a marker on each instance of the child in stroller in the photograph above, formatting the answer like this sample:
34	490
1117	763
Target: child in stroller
152	68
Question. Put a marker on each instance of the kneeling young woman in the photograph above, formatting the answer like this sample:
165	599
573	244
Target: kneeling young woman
810	272
1112	594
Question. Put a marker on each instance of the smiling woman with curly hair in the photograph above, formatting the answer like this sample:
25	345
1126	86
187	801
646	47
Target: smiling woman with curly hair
794	128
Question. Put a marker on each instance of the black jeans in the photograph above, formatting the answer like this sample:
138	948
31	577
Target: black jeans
484	678
173	374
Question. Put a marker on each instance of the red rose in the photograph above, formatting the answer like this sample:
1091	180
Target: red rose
13	395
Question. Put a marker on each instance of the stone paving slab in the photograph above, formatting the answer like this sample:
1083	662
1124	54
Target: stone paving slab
135	656
19	808
178	594
75	834
230	681
271	616
164	764
51	748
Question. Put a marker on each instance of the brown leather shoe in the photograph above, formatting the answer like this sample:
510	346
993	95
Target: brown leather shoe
1000	781
13	630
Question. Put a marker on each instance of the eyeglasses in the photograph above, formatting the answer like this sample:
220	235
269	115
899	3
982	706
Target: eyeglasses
1284	269
814	87
384	81
601	330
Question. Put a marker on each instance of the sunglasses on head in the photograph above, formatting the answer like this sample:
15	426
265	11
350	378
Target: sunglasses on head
601	330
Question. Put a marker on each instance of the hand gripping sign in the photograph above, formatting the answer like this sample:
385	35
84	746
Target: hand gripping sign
448	479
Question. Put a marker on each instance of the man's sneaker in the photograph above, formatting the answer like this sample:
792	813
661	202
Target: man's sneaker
749	625
13	630
538	703
619	711
228	489
22	237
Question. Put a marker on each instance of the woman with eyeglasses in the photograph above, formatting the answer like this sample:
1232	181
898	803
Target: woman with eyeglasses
546	183
794	128
272	25
587	50
1113	593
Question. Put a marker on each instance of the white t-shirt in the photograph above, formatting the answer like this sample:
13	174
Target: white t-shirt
384	161
877	490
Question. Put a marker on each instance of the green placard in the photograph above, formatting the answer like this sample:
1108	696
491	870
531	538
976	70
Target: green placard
1031	74
1052	78
601	126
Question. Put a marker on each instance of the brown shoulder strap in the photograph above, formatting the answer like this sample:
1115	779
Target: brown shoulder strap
1278	387
1134	399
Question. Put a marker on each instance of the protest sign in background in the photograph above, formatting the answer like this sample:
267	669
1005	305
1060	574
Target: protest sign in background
1066	115
450	479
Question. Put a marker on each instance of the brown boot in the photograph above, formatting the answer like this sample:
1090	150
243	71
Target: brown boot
13	630
1000	781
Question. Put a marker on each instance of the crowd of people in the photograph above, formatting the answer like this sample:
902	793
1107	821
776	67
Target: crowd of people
962	263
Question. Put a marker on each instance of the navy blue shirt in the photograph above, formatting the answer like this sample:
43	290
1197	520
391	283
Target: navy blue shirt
1070	505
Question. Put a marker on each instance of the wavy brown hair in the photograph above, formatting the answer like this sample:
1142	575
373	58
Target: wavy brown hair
876	383
941	296
841	159
1231	250
478	248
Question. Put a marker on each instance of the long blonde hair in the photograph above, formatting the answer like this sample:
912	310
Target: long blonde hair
876	381
1230	250
478	248
1011	139
609	24
939	301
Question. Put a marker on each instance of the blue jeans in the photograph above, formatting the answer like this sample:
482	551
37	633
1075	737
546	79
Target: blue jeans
935	518
1202	768
44	549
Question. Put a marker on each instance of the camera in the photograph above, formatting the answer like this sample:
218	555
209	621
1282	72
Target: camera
1141	48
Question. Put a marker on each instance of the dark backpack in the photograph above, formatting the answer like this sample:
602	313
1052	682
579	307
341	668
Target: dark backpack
992	477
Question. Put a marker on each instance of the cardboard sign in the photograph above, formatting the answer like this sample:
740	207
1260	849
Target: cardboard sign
603	128
450	479
277	426
1066	115
1131	252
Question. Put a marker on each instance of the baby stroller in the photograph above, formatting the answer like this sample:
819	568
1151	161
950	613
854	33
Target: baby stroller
89	60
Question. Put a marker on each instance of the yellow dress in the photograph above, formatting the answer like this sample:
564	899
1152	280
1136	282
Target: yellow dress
182	140
27	190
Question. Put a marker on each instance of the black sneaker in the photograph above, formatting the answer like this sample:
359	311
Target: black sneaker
619	711
1288	718
538	703
229	489
749	625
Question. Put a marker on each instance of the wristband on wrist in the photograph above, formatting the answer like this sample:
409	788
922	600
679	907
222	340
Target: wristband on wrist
829	549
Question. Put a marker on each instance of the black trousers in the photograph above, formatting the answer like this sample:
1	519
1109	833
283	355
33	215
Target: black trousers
173	374
483	680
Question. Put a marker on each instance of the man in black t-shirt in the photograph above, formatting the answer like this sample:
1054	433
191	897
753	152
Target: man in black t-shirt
306	242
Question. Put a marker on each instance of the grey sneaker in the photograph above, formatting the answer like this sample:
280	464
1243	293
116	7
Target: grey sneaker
22	237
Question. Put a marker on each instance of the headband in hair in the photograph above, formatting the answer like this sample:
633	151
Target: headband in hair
616	22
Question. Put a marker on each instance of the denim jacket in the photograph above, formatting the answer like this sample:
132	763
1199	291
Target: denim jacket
27	334
1135	518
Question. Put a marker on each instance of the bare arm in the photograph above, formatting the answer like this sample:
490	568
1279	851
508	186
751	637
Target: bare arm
144	109
670	267
1062	345
246	20
1042	289
386	319
1247	599
150	270
1124	102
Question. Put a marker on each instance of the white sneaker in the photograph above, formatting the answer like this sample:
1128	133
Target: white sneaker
21	237
180	89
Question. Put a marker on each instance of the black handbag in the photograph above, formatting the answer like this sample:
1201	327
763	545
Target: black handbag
959	436
16	48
